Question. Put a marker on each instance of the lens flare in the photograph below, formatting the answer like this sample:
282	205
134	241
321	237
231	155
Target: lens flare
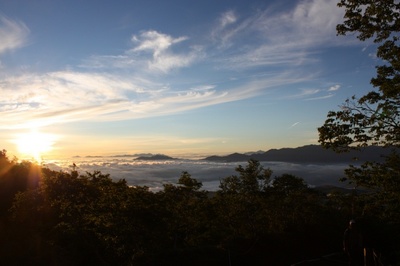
35	144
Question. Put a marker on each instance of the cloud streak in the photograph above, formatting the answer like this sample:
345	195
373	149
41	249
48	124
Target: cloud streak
140	83
294	124
315	94
13	34
159	45
334	88
225	29
283	38
67	96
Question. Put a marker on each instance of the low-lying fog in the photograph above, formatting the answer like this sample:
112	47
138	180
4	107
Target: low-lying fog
155	173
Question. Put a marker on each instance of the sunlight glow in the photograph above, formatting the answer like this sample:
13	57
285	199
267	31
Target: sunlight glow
35	144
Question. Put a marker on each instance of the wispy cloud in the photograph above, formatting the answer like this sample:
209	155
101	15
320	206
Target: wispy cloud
135	84
155	42
304	93
160	47
151	52
67	96
312	94
13	34
294	124
283	37
225	29
320	98
227	18
334	88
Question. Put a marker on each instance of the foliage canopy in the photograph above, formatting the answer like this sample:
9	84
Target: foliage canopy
68	218
372	119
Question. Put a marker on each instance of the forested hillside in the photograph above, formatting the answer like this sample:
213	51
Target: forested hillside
255	218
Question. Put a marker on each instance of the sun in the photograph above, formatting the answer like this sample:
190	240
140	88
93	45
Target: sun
35	144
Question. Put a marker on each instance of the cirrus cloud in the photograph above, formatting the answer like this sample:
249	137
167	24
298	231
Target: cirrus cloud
13	34
99	90
160	47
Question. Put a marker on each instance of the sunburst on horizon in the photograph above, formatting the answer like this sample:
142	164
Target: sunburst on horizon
35	144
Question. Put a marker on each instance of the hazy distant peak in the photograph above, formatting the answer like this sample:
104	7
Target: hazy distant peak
306	154
155	157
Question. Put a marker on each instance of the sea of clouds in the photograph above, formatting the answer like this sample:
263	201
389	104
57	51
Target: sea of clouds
156	173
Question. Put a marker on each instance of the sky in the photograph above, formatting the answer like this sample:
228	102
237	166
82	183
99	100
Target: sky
173	77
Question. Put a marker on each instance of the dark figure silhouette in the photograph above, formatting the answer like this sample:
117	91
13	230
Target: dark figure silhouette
353	244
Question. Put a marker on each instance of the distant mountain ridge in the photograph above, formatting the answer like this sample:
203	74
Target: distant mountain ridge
154	158
306	154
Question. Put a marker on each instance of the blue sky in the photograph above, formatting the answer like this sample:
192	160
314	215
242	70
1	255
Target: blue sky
174	77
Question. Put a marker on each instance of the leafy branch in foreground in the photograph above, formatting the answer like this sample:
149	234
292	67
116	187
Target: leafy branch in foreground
372	119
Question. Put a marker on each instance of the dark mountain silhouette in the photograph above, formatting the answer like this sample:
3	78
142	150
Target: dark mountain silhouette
307	154
234	157
155	158
133	155
254	152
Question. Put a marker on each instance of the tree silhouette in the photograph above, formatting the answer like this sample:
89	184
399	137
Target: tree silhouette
252	179
374	118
